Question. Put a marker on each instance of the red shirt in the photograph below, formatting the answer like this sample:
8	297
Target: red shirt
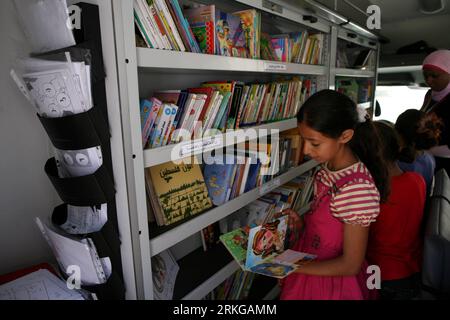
395	244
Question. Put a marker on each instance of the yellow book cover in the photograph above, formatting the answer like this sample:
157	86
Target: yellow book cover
180	189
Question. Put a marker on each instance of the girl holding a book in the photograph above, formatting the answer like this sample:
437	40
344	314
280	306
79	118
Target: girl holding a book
347	193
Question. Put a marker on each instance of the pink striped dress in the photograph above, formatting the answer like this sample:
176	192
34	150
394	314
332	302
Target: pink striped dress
348	196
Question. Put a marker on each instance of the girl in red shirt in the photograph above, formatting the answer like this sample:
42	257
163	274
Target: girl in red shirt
395	244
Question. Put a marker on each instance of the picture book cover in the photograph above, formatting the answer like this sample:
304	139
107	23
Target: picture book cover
251	23
219	176
236	242
164	273
261	249
230	35
180	189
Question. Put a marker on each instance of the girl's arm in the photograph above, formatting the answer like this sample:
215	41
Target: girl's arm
349	263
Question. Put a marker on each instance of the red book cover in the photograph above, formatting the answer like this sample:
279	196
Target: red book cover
204	90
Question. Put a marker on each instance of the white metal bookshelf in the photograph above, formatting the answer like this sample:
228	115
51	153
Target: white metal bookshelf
364	39
132	64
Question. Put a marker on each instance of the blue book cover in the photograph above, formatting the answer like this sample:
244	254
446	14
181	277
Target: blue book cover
181	103
146	108
252	176
218	176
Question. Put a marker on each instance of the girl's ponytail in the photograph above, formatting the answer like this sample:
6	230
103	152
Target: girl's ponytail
418	131
367	145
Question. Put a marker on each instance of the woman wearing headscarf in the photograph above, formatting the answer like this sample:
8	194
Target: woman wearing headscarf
436	71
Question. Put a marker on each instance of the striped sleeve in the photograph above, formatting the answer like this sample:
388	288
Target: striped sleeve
357	203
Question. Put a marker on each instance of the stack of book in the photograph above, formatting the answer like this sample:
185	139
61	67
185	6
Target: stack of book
164	24
359	90
179	115
298	47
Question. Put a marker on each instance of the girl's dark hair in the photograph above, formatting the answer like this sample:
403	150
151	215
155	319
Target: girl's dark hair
390	140
331	113
419	131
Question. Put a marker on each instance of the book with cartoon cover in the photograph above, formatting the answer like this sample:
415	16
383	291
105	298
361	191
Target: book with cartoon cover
262	249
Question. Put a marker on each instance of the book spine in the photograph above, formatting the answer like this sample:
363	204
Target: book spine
152	24
166	25
159	24
142	30
179	24
162	125
141	9
172	25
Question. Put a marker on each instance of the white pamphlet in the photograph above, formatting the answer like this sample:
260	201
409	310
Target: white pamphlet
80	253
85	220
45	24
78	163
39	285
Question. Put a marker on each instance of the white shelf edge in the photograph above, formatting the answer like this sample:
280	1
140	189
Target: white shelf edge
183	231
153	157
166	59
342	72
213	282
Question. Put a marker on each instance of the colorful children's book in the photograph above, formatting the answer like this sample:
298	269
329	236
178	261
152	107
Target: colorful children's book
262	249
230	35
202	22
219	175
251	24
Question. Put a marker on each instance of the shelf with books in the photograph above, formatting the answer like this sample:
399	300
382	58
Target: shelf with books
153	157
176	60
180	231
142	72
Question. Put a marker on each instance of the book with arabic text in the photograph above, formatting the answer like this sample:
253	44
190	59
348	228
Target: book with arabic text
177	191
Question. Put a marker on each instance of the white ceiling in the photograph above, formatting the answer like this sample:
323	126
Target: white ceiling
402	22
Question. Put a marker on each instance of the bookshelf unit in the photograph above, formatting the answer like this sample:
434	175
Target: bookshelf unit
140	72
360	39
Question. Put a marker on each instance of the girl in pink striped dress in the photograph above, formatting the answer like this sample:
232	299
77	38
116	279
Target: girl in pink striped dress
347	193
